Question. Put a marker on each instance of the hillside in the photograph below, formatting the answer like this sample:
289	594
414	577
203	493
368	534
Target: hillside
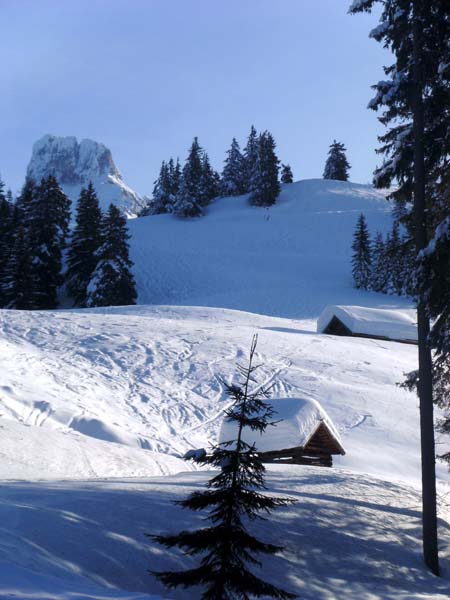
98	405
289	260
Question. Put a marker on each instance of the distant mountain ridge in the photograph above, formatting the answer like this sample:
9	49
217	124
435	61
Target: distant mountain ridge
75	164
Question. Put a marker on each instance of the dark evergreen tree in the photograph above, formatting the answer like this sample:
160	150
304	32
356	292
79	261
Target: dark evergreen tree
23	281
162	195
286	174
47	223
84	247
250	159
415	100
165	189
336	166
174	179
15	215
233	498
379	279
362	255
209	185
112	283
25	203
6	240
264	182
188	200
395	255
234	172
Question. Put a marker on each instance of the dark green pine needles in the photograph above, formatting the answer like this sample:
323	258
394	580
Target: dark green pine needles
233	499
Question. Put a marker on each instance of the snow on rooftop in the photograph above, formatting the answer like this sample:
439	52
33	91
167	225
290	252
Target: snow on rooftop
298	420
395	324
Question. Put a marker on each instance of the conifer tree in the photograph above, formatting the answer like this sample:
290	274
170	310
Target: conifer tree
162	196
234	497
112	283
264	182
209	185
250	158
23	282
362	259
415	101
234	172
188	200
19	215
395	256
47	224
286	174
336	166
6	239
85	244
174	179
25	203
379	279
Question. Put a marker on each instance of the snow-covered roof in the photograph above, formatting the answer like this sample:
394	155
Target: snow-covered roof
299	419
395	324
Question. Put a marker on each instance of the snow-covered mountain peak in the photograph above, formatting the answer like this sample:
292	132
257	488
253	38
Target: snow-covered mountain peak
76	163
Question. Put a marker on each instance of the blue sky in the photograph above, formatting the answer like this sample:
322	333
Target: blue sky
145	76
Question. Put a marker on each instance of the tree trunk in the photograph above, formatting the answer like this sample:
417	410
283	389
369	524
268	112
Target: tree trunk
425	387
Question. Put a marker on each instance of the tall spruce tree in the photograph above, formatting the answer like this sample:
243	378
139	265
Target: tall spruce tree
379	279
286	174
337	165
250	159
47	224
415	101
188	201
85	244
209	184
234	497
162	196
6	238
362	255
22	281
20	217
174	180
395	255
112	283
234	173
264	182
25	203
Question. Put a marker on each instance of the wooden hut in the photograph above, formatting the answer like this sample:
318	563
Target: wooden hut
380	324
303	435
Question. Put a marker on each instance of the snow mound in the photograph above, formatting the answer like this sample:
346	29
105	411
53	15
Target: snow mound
297	421
75	164
29	452
393	324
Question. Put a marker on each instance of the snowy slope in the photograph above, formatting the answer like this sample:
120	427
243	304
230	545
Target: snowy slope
347	537
123	392
290	260
152	378
75	164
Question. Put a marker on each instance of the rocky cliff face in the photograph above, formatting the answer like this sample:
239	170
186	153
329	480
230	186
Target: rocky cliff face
75	164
